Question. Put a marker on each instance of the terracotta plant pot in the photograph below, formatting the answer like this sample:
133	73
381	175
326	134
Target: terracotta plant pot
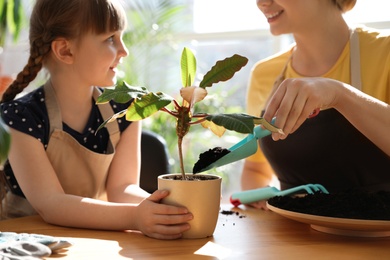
202	197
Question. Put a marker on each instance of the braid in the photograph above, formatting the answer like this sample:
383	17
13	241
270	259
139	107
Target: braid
29	72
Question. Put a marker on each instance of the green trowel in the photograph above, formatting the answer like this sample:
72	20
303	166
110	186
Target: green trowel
244	148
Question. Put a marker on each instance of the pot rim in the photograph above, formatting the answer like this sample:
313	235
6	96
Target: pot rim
213	176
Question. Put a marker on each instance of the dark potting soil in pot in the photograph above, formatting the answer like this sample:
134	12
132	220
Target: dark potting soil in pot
208	157
190	177
352	204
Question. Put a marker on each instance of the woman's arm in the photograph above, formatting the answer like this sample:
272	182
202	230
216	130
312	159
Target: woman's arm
369	115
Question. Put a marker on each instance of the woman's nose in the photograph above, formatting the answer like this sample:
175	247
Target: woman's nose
261	3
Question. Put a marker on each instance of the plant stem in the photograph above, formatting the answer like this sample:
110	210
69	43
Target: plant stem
179	146
173	113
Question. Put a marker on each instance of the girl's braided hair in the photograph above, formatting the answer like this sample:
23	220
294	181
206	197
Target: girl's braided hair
70	19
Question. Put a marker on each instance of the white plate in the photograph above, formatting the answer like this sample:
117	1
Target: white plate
339	226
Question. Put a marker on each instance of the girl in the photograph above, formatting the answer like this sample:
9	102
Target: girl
344	72
68	174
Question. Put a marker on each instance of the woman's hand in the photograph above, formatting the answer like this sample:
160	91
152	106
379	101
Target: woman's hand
159	220
296	99
261	204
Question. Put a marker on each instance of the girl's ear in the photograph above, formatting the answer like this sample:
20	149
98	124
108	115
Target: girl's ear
61	49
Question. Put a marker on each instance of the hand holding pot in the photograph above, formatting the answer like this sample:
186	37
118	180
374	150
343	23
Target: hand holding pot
159	220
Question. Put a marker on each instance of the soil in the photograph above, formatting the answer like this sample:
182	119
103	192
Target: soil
352	204
190	177
231	212
231	215
208	157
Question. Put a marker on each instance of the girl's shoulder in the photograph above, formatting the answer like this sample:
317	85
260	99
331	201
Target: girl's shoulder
27	114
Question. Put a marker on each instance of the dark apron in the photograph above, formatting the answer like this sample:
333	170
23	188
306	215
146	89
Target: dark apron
328	150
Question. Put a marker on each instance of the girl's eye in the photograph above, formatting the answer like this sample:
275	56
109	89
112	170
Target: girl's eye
111	38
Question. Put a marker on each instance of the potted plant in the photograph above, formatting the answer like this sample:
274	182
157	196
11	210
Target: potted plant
200	193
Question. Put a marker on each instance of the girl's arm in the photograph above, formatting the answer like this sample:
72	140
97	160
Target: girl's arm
41	187
124	174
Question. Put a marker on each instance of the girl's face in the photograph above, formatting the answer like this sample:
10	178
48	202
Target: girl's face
97	56
287	16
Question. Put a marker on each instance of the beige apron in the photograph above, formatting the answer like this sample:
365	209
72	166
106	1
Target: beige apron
80	171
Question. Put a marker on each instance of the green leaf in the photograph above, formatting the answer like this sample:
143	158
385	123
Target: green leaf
5	141
241	123
122	93
18	18
147	105
188	67
2	5
3	22
112	119
10	17
223	70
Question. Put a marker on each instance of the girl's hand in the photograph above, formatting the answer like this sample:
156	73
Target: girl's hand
159	220
296	99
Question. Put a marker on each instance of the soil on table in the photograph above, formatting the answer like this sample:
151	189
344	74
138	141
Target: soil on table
352	204
208	157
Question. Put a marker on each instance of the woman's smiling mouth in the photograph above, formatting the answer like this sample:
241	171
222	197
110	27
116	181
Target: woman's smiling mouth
273	16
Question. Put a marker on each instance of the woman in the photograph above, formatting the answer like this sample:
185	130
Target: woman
58	166
347	145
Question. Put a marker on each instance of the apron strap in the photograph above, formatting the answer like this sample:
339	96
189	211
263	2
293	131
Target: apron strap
355	60
53	111
55	118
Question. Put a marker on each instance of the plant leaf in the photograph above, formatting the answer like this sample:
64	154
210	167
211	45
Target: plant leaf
18	18
112	119
122	93
188	67
216	129
147	105
223	70
5	141
267	125
10	17
241	123
193	94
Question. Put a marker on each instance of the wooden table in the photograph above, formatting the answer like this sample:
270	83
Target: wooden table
249	234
